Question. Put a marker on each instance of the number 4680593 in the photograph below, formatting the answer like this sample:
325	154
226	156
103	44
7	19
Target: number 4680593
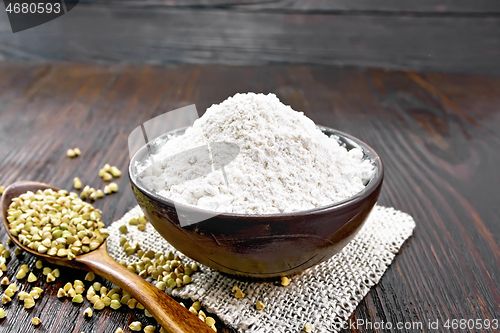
471	324
33	8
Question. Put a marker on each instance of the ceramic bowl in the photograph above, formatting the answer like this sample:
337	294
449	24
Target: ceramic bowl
261	246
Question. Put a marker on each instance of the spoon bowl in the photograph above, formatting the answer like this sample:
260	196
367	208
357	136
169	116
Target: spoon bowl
170	315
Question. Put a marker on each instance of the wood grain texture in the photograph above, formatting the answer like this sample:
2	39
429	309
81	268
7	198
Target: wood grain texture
254	34
436	133
440	7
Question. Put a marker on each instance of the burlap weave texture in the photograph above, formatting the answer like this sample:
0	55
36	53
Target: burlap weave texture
324	295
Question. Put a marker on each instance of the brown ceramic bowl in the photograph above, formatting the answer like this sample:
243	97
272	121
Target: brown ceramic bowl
261	246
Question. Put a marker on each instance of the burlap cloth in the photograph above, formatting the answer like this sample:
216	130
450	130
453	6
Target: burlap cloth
324	295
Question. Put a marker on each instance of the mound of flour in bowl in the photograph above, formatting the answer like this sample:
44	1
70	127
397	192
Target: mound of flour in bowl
285	163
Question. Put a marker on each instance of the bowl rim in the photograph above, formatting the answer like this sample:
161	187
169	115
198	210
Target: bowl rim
371	187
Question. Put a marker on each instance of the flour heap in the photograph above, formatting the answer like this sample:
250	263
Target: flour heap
285	163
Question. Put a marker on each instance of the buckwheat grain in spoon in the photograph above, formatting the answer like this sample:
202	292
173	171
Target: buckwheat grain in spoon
52	224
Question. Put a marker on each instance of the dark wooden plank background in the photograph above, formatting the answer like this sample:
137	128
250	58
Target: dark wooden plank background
488	7
436	35
436	133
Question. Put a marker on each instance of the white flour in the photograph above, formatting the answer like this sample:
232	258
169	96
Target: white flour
285	163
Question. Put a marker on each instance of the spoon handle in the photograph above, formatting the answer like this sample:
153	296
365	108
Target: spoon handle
172	316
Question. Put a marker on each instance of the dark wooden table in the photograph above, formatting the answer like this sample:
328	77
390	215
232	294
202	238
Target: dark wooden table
456	36
437	134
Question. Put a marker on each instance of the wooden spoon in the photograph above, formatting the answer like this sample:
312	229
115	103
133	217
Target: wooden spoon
171	315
